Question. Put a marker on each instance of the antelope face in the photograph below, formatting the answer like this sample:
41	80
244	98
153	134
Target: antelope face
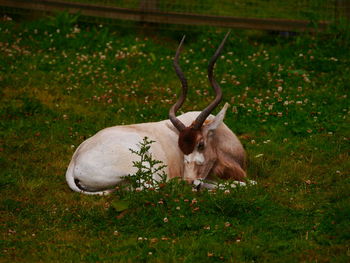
199	149
200	161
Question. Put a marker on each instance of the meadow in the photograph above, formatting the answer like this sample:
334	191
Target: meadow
62	81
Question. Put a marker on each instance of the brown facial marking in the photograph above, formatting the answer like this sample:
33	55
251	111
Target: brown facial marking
188	139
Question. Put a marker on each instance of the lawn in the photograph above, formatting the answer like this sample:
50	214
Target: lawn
62	81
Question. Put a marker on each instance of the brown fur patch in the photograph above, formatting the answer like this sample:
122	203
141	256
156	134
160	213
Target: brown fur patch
229	171
188	139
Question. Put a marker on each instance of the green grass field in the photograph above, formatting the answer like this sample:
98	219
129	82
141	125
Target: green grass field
61	83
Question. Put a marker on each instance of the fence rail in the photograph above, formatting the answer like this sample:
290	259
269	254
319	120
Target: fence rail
155	16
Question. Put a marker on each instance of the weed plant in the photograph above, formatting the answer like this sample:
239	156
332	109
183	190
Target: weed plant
62	81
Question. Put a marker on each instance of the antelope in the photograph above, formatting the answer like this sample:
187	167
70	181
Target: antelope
192	146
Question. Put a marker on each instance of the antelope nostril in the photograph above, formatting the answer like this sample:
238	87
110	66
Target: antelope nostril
197	182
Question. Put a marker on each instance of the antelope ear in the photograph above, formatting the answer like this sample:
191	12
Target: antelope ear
218	119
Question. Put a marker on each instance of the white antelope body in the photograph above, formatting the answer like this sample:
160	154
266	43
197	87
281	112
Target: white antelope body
192	146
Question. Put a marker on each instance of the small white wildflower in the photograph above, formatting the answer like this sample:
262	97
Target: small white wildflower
252	182
238	183
165	220
76	30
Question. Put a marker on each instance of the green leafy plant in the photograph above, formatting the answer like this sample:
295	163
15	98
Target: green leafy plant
63	20
150	173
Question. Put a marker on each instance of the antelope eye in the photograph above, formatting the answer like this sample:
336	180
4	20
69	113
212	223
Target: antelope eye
200	146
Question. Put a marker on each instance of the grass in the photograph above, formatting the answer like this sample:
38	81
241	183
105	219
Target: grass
62	82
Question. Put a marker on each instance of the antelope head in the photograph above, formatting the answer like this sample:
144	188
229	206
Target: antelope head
197	141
